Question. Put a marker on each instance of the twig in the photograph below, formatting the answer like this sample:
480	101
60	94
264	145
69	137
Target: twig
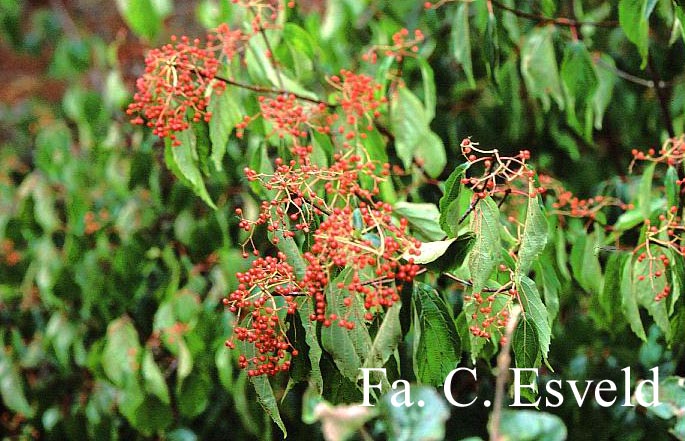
560	21
471	208
503	362
628	77
262	89
268	48
663	99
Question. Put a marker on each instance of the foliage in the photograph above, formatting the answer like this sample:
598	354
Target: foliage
294	209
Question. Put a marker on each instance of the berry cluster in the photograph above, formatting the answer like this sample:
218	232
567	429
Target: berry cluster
403	46
265	291
174	88
367	242
671	153
498	174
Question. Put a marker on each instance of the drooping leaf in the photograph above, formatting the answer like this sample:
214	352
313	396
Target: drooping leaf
449	207
535	313
539	67
629	301
534	237
183	161
644	197
225	115
580	83
633	16
141	16
154	379
267	400
485	252
461	41
437	348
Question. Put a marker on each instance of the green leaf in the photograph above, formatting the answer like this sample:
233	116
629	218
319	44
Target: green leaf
535	313
610	297
415	422
11	387
580	82
605	88
141	16
526	346
629	301
423	219
348	347
413	137
437	348
387	338
449	202
224	366
431	153
534	238
539	67
266	398
429	92
121	352
633	16
430	251
193	394
585	263
491	47
461	41
546	276
226	114
154	380
646	289
485	252
183	161
672	189
531	425
644	196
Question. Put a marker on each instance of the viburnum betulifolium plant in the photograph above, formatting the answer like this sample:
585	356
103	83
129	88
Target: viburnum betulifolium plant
348	268
249	231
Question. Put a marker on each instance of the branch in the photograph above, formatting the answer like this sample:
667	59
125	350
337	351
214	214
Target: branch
262	89
663	99
503	362
561	21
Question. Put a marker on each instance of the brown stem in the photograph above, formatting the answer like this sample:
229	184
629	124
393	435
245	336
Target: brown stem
561	21
503	363
262	89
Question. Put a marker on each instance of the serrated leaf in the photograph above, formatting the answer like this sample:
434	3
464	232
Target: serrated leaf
645	289
610	297
387	338
225	115
449	206
603	94
437	348
535	313
485	252
539	67
534	237
525	345
629	301
461	41
266	398
182	160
